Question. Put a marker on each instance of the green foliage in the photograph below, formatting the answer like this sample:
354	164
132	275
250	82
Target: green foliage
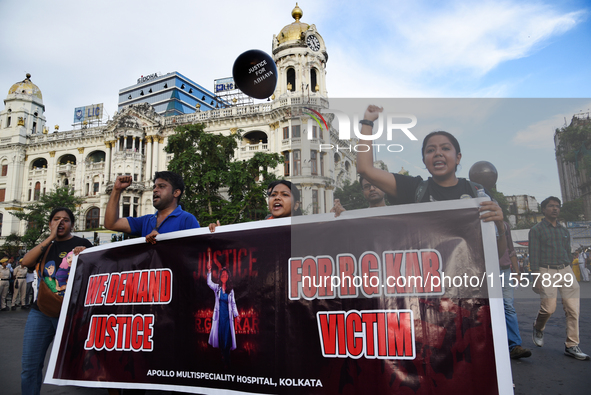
12	245
571	211
351	196
574	141
36	215
502	201
205	161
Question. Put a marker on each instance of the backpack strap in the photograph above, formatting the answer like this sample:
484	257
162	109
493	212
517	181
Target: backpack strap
421	190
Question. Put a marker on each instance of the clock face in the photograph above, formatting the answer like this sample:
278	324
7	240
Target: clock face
313	43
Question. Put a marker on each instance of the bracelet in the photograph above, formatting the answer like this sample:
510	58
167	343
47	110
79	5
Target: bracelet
366	122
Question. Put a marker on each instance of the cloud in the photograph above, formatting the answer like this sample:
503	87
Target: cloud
541	134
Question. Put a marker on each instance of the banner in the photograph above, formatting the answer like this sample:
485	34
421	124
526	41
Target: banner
398	299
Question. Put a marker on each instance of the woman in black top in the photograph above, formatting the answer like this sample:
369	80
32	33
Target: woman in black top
441	155
40	328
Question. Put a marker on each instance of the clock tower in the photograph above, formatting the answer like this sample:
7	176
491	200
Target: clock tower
300	55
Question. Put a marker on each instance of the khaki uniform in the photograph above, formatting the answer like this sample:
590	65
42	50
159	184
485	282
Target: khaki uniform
20	277
4	285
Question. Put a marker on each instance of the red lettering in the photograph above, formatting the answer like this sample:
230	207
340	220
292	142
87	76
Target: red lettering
142	293
354	343
148	327
131	287
370	268
101	289
346	264
165	286
113	286
325	271
369	320
431	265
295	278
111	334
309	277
399	334
154	286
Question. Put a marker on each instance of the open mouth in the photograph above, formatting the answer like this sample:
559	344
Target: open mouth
439	164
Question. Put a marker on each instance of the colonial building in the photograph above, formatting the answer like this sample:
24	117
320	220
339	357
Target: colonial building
34	161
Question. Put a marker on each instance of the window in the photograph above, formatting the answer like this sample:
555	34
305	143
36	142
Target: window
295	131
34	128
315	207
37	191
314	162
285	133
2	194
29	195
286	163
314	132
313	80
321	136
4	170
321	164
8	122
1	220
95	188
297	162
291	79
92	218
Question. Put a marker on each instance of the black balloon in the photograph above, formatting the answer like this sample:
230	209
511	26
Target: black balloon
255	74
484	173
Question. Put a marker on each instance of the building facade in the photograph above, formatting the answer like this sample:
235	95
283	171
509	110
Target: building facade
575	183
34	161
169	94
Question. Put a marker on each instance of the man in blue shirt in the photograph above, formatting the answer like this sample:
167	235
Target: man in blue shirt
170	217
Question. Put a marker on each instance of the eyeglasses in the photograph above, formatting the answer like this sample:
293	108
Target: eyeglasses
367	187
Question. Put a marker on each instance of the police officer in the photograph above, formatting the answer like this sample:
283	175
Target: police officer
20	285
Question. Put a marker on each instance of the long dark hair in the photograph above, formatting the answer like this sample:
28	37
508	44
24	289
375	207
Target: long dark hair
229	286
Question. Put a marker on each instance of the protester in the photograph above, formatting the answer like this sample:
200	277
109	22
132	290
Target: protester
20	285
4	283
42	320
284	199
549	249
575	266
170	217
372	194
441	155
582	265
31	291
507	262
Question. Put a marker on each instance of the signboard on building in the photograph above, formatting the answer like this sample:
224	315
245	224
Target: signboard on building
94	112
224	84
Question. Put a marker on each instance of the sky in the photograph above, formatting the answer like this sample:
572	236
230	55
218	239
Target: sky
82	53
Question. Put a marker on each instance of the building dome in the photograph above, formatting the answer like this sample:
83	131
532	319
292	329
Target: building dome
26	87
294	31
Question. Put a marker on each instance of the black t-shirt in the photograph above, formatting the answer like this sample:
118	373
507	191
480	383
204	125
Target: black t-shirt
406	187
58	250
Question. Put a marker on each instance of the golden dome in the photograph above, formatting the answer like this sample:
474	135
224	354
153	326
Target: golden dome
26	87
294	31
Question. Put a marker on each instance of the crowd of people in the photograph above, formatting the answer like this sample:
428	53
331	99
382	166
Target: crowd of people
47	264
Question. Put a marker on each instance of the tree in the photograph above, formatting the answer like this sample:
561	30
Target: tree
351	195
502	201
36	215
572	211
12	245
205	161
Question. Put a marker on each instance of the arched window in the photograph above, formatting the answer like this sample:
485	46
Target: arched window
313	81
67	159
39	163
92	218
291	80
